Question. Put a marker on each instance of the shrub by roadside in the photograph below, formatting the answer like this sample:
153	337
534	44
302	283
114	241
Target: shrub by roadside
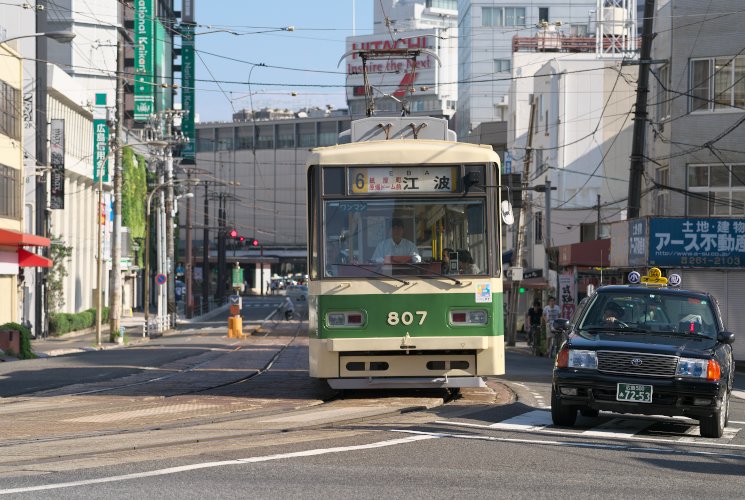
62	323
25	340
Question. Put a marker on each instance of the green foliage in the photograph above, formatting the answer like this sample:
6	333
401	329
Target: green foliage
25	339
62	323
60	254
134	193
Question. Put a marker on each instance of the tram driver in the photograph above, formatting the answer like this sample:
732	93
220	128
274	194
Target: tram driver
396	249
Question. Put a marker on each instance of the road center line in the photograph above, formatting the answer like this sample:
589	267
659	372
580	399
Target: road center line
207	465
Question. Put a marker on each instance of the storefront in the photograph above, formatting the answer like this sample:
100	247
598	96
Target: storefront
13	259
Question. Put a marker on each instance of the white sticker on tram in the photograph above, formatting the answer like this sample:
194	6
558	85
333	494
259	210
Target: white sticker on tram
207	465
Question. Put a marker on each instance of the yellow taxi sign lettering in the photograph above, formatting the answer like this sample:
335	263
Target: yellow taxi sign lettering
654	277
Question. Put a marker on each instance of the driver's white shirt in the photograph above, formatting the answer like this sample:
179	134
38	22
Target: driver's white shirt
388	247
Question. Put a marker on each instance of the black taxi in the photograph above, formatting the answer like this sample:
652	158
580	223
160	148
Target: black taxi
646	348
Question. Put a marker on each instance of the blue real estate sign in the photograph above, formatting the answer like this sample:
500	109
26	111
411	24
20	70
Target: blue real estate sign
696	242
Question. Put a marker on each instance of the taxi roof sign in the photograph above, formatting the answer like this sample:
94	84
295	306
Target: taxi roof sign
654	278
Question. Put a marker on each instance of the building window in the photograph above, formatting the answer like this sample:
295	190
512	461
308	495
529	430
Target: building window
663	94
443	4
662	201
285	136
539	227
716	190
266	137
717	83
542	14
503	16
10	192
10	111
502	65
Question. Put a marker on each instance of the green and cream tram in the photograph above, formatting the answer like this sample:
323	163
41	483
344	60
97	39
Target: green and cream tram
405	285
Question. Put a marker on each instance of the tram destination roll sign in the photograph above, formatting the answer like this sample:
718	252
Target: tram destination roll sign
696	242
403	180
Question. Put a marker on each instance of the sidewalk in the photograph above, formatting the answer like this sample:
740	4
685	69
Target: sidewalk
85	340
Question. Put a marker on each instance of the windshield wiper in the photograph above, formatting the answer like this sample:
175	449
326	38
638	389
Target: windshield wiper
674	333
360	266
433	274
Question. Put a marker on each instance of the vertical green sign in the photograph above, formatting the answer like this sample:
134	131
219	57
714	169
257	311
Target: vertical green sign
237	277
187	90
144	80
100	139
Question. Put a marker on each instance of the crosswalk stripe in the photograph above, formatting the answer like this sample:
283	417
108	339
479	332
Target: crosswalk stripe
532	420
619	427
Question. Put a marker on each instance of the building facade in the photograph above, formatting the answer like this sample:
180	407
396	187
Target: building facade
421	85
486	29
254	181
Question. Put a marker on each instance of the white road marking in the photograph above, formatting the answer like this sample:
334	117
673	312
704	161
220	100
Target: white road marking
738	394
578	433
619	427
575	444
537	419
207	465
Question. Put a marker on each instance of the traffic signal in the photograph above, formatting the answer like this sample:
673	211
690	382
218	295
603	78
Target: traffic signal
254	242
521	289
233	233
241	239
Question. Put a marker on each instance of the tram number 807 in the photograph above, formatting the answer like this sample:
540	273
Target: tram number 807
406	317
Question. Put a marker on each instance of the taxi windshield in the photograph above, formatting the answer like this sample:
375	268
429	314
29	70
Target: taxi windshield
651	311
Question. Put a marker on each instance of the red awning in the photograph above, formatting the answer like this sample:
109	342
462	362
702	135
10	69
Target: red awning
30	259
10	238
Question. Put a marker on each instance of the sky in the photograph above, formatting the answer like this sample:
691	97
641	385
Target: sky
311	53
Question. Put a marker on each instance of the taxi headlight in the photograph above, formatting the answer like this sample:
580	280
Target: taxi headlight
698	368
582	359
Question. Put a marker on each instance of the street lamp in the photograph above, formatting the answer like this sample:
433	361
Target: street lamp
147	241
60	36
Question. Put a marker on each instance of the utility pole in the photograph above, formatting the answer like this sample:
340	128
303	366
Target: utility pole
547	232
188	263
517	257
206	272
221	235
640	114
40	291
597	232
115	281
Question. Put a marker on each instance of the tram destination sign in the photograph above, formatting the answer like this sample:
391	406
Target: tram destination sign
403	180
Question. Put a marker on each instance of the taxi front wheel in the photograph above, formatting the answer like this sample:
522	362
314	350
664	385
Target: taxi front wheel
562	414
713	425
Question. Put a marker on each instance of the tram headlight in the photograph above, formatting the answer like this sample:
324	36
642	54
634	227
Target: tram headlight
345	319
469	317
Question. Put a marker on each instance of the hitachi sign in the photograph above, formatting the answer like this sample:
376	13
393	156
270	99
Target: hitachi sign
419	42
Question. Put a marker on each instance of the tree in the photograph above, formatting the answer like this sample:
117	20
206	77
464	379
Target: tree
60	254
134	191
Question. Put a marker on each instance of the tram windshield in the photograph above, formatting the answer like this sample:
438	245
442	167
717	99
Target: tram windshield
392	237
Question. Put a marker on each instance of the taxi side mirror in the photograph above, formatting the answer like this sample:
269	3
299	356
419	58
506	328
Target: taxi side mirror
726	337
561	324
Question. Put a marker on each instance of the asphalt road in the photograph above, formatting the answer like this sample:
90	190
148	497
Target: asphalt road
234	418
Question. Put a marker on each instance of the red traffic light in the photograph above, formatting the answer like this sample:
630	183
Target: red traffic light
233	233
254	242
241	239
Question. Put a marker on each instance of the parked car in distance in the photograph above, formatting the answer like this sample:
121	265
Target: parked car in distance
644	349
297	292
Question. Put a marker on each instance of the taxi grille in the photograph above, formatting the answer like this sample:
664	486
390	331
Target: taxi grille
630	363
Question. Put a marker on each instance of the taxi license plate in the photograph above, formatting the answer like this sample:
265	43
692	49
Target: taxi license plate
637	393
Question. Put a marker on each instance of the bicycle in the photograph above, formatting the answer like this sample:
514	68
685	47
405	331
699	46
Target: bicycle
534	339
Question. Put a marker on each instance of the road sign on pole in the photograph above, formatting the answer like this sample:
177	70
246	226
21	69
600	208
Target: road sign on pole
161	279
